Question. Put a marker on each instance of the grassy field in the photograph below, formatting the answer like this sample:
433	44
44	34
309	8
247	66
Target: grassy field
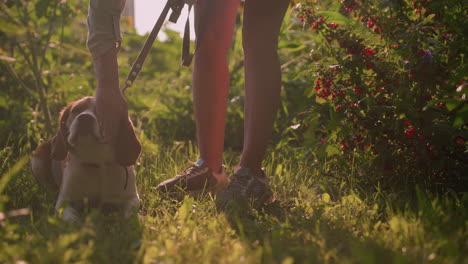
322	214
304	225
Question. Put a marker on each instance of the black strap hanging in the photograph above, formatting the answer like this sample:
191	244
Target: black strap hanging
176	7
187	56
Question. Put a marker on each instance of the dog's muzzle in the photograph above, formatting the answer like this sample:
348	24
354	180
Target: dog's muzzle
85	125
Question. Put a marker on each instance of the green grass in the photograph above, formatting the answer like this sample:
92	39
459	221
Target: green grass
305	224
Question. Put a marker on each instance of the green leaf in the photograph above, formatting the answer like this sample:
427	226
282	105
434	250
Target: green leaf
326	198
334	17
293	47
3	102
428	18
451	104
320	100
331	150
461	117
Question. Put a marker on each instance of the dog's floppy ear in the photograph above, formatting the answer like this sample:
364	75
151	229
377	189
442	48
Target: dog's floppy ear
59	141
127	145
41	164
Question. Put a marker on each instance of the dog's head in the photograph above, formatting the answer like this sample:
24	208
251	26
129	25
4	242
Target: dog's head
79	133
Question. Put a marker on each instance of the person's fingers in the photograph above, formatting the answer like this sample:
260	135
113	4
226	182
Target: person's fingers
109	123
111	109
103	127
110	128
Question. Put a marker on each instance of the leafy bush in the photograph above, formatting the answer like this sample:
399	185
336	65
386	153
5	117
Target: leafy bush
44	62
389	91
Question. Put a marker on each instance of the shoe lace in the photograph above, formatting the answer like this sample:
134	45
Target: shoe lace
239	181
191	169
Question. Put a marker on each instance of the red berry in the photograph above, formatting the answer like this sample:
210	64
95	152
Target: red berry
441	105
409	132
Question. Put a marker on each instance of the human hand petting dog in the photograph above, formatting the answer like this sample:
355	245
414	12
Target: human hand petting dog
111	106
112	111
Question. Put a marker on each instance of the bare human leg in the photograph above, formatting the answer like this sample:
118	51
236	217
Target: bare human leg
262	22
214	24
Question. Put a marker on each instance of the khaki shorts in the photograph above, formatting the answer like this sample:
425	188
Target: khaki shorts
104	25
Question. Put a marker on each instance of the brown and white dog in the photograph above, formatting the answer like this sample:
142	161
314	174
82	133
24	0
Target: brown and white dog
87	171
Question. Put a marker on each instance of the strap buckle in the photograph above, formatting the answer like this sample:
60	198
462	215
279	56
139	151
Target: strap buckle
177	6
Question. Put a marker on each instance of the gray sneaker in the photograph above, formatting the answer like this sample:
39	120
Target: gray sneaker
245	186
196	179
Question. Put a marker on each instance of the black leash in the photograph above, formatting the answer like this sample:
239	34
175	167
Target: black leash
176	6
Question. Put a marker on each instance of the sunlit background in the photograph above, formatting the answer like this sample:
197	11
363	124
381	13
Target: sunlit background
148	11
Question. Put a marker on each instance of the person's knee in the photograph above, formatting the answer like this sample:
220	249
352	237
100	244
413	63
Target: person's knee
214	42
214	24
262	24
258	42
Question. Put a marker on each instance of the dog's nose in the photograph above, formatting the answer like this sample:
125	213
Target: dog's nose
85	119
85	123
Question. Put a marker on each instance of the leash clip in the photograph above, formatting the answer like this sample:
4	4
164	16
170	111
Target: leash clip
177	6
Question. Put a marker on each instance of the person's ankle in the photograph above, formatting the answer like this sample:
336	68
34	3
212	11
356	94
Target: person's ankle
215	169
257	170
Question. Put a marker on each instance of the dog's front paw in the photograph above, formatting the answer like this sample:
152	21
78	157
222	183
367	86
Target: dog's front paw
70	214
130	208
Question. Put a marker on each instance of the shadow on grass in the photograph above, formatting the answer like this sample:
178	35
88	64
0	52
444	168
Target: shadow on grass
41	237
292	232
48	239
